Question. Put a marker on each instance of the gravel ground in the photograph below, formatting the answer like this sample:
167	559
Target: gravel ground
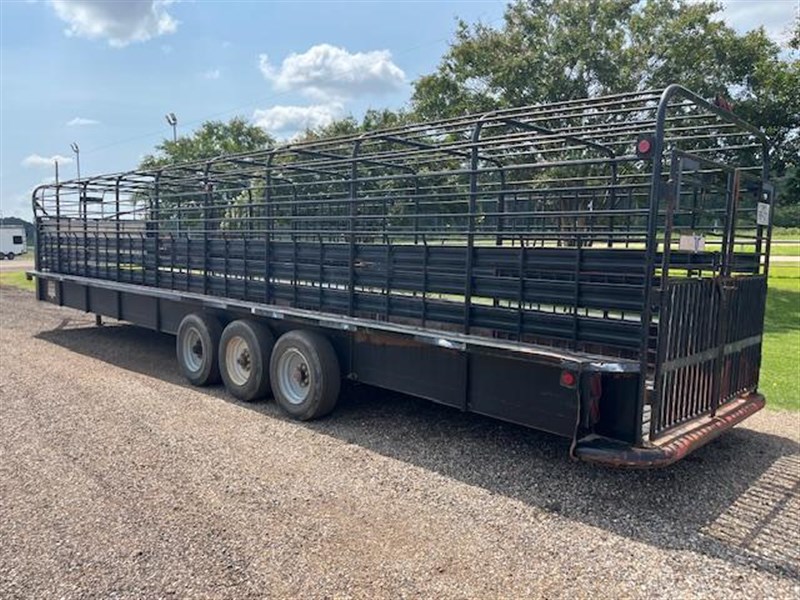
20	263
118	480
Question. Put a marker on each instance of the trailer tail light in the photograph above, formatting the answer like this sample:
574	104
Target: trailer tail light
644	146
568	379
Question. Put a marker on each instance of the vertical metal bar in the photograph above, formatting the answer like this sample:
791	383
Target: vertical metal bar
157	226
726	230
294	226
58	228
664	325
768	191
652	242
245	238
268	229
206	205
729	236
105	255
576	274
612	199
143	238
82	201
172	244
97	249
322	272
226	267
352	233
388	293
425	259
521	289
118	224
416	209
472	209
501	208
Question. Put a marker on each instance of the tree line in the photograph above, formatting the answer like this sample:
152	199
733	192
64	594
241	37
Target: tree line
555	50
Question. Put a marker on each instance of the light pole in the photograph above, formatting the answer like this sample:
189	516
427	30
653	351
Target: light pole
76	149
173	120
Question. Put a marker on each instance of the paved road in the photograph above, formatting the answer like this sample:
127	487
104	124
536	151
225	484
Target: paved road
118	480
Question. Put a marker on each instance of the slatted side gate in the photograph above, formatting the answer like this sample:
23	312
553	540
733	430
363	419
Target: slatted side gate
712	346
709	328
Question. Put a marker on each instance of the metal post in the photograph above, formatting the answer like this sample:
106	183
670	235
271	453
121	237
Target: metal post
173	121
77	150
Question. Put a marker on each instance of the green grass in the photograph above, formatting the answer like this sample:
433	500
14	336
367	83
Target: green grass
786	233
784	249
17	279
780	368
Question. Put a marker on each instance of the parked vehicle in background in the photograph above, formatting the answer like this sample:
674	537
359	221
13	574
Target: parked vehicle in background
12	242
594	268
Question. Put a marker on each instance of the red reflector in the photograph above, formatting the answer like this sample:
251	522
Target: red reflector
643	147
568	379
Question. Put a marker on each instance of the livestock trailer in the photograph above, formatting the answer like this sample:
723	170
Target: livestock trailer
594	268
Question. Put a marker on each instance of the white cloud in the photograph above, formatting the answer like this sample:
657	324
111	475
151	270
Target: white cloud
80	121
286	120
330	73
119	22
776	16
37	160
212	74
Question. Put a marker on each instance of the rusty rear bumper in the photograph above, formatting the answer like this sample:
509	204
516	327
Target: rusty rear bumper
672	446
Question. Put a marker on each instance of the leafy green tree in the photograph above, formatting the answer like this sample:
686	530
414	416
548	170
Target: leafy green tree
552	50
212	139
373	120
184	206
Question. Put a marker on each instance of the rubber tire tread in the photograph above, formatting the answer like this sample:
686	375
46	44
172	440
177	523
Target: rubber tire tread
261	341
210	330
325	374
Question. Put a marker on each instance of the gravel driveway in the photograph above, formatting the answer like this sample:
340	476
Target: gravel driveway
118	480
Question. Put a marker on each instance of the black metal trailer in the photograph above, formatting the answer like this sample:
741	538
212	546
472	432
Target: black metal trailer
594	268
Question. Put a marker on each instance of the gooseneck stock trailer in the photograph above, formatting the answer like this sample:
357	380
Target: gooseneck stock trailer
594	268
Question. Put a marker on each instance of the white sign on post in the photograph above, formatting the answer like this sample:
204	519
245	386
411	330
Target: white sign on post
762	213
692	243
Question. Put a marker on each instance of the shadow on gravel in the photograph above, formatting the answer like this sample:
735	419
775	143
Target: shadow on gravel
737	499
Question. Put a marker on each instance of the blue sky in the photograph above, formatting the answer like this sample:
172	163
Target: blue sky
104	73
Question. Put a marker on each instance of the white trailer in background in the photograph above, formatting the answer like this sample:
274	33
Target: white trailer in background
12	242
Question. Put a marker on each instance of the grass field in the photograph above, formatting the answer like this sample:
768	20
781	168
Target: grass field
780	370
16	279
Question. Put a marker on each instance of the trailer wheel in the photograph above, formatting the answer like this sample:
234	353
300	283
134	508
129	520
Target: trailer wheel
196	343
10	256
244	351
305	374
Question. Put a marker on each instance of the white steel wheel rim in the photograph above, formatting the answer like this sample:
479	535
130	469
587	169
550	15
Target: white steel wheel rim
238	360
294	376
193	350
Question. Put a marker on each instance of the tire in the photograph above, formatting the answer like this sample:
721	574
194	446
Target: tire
196	344
244	351
305	375
10	256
